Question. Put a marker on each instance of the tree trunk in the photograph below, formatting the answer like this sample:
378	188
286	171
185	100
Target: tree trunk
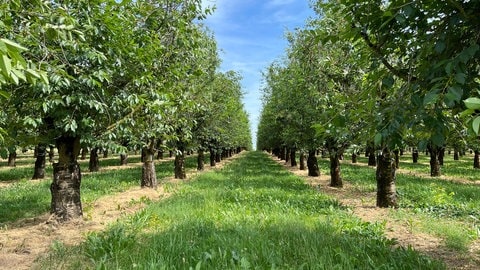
39	170
371	156
83	154
200	160
212	157
335	177
65	188
218	156
93	163
415	155
354	157
455	155
105	153
396	153
312	164
302	160
434	162
441	155
170	153
12	159
283	153
160	154
123	159
385	176
180	164
293	161
476	159
149	176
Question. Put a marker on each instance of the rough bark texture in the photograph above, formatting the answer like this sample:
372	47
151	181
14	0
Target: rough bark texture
212	157
385	176
302	160
65	188
293	160
335	176
93	164
180	165
39	170
415	156
200	160
149	176
218	156
12	159
441	155
312	164
83	154
476	159
434	162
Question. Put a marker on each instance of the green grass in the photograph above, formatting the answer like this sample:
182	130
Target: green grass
250	215
26	199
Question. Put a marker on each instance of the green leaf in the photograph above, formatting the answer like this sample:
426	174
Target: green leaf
430	98
476	124
438	139
4	94
5	65
378	139
460	78
12	45
456	92
472	103
440	47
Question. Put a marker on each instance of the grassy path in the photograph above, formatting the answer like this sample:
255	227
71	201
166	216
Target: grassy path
252	214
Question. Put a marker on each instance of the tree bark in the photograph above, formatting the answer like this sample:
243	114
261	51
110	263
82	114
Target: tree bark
415	155
218	156
354	157
434	162
51	154
441	155
312	164
476	159
65	188
302	160
93	163
180	164
200	160
83	154
371	155
123	159
293	160
105	153
212	157
335	176
12	159
385	176
149	176
39	170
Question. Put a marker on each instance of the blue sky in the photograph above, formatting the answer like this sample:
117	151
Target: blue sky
250	35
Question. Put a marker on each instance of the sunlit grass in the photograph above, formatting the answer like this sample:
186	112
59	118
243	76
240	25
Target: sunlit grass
252	214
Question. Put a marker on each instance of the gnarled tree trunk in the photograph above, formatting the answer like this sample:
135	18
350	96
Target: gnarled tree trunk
12	158
149	176
415	155
312	164
93	164
123	159
386	178
39	170
65	188
354	157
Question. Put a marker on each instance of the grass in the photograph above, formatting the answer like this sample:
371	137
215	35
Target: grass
448	209
252	214
27	199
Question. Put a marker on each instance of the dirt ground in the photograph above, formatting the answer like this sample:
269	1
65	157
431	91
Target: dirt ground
363	206
22	242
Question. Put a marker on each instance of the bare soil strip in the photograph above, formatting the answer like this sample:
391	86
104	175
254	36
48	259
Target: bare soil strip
363	206
24	241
